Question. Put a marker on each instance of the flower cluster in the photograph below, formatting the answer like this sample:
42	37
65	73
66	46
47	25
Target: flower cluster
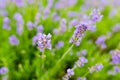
70	73
95	68
43	41
81	61
115	57
78	33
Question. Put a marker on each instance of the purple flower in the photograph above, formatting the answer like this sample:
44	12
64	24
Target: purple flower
96	16
116	28
96	68
3	70
56	17
81	62
101	41
44	41
13	40
73	22
63	25
115	57
6	23
20	23
30	25
40	29
60	44
70	73
82	53
116	69
37	18
19	3
79	78
78	33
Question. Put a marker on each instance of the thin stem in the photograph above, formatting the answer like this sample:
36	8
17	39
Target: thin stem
58	62
86	74
64	54
42	60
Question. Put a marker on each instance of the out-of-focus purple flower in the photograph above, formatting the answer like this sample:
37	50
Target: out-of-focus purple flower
44	41
30	1
3	70
20	23
3	13
63	25
56	17
40	29
30	25
78	33
73	22
70	73
50	3
6	23
46	12
81	61
60	44
96	16
101	41
115	57
37	18
65	4
82	53
73	14
79	78
113	12
116	69
116	28
13	40
5	78
3	4
19	3
95	68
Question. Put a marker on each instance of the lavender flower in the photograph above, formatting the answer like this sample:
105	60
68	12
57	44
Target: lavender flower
20	23
101	41
56	17
73	22
13	40
62	28
116	28
6	23
60	44
63	25
37	18
116	69
79	78
69	74
30	25
78	33
95	68
96	16
81	62
115	57
82	53
44	41
40	29
3	70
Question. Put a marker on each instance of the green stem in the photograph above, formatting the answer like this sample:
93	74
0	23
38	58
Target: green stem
64	54
42	60
86	74
57	64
